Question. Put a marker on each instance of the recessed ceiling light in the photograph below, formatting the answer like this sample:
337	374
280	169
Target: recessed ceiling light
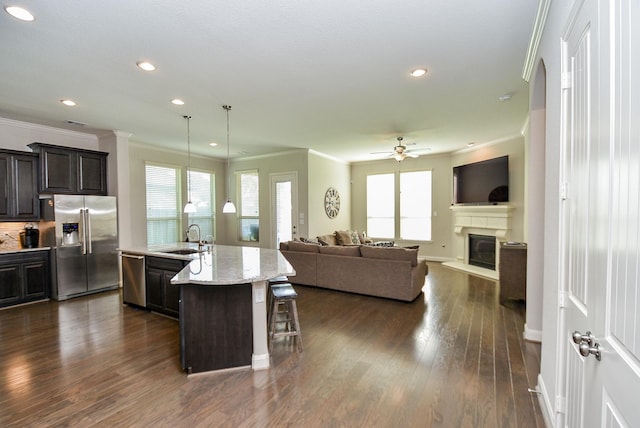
20	13
471	144
177	102
145	65
505	97
418	72
69	103
213	144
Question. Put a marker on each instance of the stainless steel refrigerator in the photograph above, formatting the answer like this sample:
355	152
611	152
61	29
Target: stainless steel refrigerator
82	232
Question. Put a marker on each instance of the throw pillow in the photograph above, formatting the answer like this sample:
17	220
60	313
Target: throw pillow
355	239
309	241
327	239
343	237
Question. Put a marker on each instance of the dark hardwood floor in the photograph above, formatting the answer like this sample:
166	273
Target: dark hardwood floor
452	358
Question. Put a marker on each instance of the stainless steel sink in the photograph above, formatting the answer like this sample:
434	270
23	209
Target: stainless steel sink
182	251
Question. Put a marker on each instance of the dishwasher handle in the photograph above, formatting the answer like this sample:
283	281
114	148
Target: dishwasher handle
129	256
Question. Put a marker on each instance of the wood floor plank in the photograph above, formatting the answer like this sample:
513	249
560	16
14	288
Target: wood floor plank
453	357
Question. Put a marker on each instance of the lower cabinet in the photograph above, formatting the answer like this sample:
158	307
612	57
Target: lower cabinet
163	297
24	277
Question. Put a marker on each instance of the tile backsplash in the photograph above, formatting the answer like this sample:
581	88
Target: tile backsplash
10	234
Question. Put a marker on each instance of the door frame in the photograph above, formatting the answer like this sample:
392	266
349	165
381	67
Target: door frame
274	178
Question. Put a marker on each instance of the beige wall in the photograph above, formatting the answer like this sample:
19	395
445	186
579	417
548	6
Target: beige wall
315	172
289	162
325	172
440	165
514	148
139	154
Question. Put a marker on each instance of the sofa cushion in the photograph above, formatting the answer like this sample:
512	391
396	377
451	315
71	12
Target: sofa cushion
350	250
284	246
390	253
302	246
343	237
327	239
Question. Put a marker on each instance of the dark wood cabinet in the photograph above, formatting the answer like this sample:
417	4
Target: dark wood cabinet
72	171
24	277
216	327
163	297
19	186
513	271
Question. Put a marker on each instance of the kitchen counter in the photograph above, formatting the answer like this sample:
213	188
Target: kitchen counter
223	314
223	303
23	250
164	250
228	265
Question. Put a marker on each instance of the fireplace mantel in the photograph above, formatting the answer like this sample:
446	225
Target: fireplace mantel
490	220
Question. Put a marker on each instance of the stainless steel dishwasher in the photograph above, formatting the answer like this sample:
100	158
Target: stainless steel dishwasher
133	280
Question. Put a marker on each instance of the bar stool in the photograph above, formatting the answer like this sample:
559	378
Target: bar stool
274	282
284	311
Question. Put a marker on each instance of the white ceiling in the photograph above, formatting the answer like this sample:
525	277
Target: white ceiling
329	75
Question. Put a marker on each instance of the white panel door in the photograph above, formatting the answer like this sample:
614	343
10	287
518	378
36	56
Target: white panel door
600	224
284	200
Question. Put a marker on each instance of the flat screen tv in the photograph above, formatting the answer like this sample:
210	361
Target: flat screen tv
485	182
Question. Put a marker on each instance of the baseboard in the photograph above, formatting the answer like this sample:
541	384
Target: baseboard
545	403
435	259
260	361
532	335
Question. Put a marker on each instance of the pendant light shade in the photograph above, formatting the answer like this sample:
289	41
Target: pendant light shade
229	207
189	208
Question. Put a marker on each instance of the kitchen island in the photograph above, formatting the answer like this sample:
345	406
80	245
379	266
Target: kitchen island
223	315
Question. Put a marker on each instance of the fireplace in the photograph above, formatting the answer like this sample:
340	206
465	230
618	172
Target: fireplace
482	251
492	221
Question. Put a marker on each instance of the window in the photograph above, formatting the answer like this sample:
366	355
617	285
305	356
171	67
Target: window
249	206
415	205
203	186
412	218
381	205
163	204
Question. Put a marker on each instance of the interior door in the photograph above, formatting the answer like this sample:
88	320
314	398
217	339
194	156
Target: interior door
601	346
284	200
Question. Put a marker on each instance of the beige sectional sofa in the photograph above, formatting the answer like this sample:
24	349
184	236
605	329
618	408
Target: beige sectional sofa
392	272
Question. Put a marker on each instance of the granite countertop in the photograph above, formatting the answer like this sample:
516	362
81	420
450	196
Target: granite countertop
164	250
220	264
228	265
22	250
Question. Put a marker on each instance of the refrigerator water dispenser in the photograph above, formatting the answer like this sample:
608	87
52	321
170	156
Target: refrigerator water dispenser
70	233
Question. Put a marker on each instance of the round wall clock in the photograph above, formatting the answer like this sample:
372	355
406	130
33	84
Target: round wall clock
332	202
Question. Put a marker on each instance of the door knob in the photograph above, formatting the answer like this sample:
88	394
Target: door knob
579	338
586	350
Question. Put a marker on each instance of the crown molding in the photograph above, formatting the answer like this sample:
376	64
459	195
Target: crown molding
536	36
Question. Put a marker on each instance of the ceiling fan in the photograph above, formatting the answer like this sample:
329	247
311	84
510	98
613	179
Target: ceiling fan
400	151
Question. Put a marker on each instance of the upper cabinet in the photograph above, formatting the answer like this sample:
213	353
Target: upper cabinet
73	171
18	186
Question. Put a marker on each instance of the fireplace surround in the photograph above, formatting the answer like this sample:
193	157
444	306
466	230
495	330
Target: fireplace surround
486	220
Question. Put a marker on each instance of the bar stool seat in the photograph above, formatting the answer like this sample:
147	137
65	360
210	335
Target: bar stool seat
284	311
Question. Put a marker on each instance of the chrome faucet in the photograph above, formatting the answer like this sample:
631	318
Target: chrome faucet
200	243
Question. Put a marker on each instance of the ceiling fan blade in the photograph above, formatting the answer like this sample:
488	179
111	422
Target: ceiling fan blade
411	155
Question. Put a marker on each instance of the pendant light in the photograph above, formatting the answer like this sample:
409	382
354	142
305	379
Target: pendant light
189	208
229	207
